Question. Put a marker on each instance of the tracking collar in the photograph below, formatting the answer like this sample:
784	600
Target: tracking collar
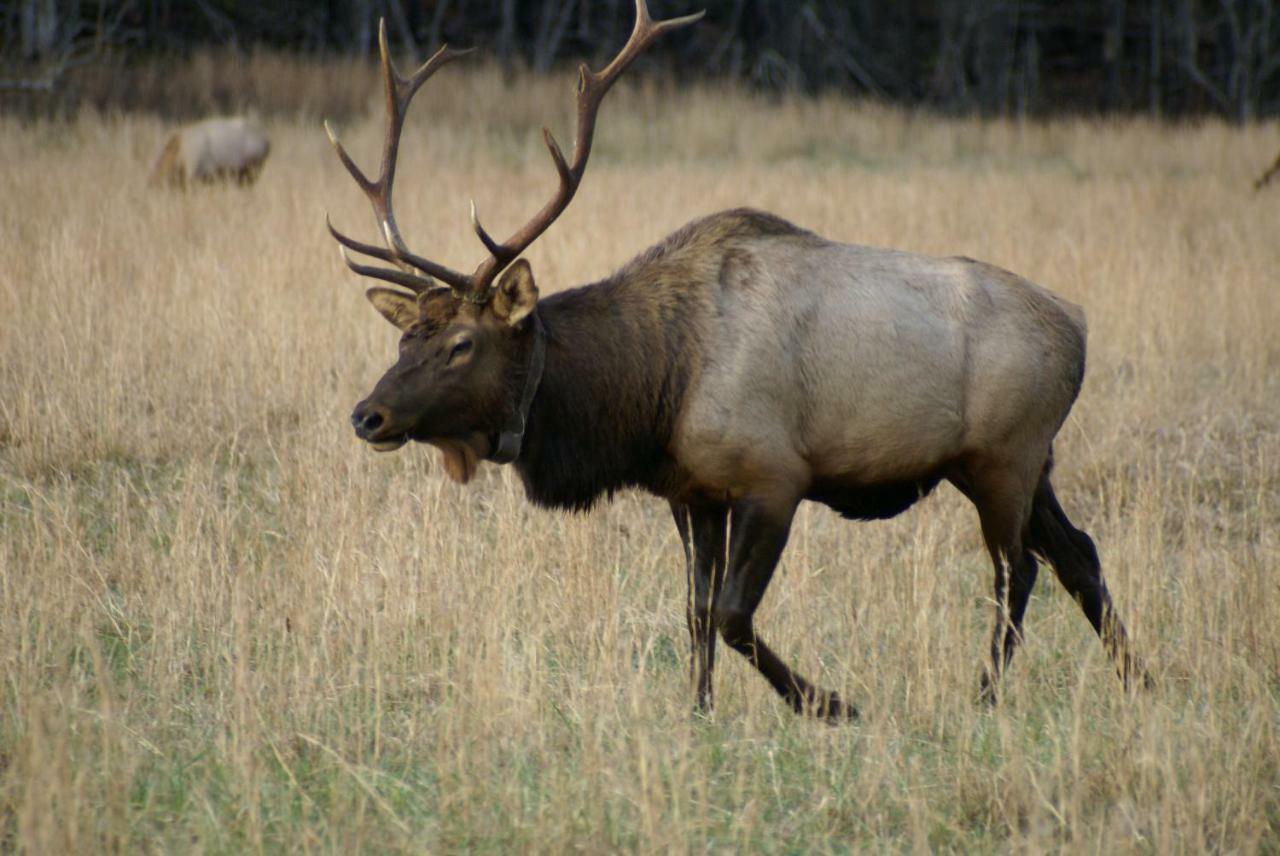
507	449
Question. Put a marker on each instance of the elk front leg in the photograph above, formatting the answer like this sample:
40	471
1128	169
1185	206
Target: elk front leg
702	531
758	534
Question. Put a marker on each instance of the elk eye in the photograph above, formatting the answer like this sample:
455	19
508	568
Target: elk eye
462	347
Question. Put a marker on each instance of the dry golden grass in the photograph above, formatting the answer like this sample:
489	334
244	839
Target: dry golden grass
225	625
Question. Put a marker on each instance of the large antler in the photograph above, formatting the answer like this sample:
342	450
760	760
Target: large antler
592	87
399	92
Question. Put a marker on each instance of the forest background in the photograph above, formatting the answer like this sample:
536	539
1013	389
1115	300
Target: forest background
989	57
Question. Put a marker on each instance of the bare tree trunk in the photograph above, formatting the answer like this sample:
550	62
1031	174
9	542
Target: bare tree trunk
362	26
434	36
1113	55
507	33
1190	34
39	25
402	28
584	21
1252	58
730	37
1155	55
552	23
949	85
1028	83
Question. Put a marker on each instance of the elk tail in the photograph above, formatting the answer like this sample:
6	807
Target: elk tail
167	169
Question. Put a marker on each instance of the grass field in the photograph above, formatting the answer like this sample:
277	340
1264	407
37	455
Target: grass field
225	625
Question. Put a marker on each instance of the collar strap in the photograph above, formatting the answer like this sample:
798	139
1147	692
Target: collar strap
507	449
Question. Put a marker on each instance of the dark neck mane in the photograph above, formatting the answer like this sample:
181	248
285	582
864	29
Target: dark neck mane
620	355
603	415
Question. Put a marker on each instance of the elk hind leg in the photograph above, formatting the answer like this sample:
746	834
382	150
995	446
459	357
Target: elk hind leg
1074	558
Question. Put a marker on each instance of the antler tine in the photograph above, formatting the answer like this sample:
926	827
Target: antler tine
399	92
592	87
490	244
414	283
410	280
642	35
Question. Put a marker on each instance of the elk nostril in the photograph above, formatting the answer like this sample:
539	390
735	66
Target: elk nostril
366	420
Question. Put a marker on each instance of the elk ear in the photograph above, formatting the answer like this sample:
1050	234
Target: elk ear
516	294
397	307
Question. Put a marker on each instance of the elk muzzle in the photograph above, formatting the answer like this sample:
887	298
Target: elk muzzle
370	422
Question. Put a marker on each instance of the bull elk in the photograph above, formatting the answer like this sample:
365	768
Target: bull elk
737	368
225	148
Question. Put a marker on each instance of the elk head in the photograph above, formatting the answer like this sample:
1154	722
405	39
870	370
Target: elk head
471	352
465	376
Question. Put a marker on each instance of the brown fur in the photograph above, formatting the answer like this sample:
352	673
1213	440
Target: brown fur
738	368
744	365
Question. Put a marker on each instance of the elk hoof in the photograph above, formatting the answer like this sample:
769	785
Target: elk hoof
1139	683
987	695
830	708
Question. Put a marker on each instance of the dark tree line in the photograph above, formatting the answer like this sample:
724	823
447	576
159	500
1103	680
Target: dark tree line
1165	57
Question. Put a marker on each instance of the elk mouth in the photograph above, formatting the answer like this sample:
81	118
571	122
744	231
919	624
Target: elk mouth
461	454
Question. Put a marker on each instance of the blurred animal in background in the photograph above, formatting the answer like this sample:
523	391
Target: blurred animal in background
229	148
1266	177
